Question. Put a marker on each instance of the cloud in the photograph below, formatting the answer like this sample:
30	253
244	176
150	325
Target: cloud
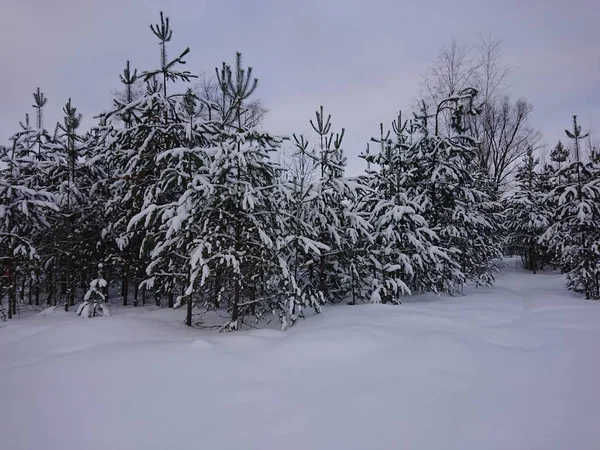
361	60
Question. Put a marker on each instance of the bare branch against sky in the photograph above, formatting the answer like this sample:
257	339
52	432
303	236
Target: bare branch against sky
362	60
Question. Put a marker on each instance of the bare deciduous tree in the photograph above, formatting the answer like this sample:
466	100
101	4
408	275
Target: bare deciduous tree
502	128
217	105
505	137
453	71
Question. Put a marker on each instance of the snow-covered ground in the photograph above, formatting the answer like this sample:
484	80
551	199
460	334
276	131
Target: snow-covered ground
512	367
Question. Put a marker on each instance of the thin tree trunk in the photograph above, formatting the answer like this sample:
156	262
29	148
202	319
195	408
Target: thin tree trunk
136	290
322	276
12	298
188	316
30	292
236	299
105	276
189	308
37	290
125	285
50	286
22	293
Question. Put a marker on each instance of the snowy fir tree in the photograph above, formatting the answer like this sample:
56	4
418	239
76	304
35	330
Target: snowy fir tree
527	215
73	175
330	211
94	301
404	254
227	223
152	126
559	156
453	192
574	234
24	211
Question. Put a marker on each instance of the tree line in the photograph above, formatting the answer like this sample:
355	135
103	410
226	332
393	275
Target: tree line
176	198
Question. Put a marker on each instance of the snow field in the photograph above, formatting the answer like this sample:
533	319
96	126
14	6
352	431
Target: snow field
511	367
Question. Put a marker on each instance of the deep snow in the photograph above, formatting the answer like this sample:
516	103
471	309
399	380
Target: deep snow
512	367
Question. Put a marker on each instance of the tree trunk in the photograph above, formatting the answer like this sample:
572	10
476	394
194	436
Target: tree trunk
106	278
37	292
322	277
12	297
83	280
22	293
125	285
50	287
188	314
30	292
236	299
136	289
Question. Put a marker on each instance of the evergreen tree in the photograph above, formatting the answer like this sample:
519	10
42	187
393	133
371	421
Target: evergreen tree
332	214
574	234
227	225
152	126
527	215
24	211
94	301
404	253
455	194
559	154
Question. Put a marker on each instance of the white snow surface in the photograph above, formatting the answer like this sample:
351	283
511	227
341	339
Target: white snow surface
516	366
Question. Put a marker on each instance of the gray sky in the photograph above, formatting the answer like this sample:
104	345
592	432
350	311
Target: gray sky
362	60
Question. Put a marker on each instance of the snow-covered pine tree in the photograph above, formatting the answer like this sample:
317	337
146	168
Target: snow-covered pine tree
330	211
24	208
38	161
94	300
574	234
454	193
301	258
65	169
40	101
548	178
404	255
121	249
229	224
68	180
152	126
527	215
179	167
559	156
129	79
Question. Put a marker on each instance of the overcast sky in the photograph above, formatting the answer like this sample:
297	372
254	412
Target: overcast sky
362	59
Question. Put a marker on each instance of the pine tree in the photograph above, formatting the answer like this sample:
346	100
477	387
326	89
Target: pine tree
455	194
527	215
23	215
559	154
164	33
404	255
228	224
574	234
94	301
129	79
332	214
152	126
